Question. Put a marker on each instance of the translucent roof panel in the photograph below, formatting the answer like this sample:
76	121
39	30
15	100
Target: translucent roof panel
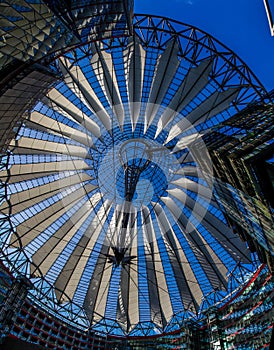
109	186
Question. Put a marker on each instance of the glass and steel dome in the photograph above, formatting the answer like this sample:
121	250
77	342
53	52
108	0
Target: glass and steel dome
109	188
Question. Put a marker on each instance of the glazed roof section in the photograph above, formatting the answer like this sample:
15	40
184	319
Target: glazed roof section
33	29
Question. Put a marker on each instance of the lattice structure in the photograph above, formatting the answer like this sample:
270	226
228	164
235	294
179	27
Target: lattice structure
109	205
94	19
176	243
31	30
244	321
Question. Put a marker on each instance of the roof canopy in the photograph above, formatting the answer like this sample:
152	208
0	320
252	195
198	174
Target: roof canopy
109	187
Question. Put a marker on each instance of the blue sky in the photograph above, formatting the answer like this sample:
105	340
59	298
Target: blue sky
239	24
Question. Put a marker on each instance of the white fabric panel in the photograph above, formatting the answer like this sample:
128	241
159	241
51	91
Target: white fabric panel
78	264
186	158
134	62
131	230
101	300
165	70
114	226
192	282
101	267
33	226
197	209
216	103
186	141
189	170
45	250
194	82
182	220
57	99
133	295
232	244
25	199
45	258
201	190
27	145
164	296
52	125
78	83
104	69
197	173
24	172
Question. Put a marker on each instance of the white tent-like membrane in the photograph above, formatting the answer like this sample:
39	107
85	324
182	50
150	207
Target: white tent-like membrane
109	185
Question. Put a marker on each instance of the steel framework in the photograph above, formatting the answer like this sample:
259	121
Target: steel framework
168	84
